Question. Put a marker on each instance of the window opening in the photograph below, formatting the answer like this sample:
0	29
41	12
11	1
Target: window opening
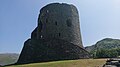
59	34
55	22
69	22
46	20
41	36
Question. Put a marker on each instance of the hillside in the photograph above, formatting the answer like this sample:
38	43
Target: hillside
8	58
107	43
67	63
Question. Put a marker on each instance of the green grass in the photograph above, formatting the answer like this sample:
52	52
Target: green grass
67	63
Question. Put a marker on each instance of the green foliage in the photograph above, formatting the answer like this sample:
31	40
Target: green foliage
106	43
106	53
106	48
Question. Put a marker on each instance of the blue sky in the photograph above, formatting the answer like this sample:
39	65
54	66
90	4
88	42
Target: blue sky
98	19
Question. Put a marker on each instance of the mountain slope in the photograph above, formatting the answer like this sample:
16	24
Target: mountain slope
107	43
8	58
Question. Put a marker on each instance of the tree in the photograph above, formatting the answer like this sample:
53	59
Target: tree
105	53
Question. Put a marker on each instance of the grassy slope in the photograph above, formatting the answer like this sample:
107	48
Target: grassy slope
68	63
8	58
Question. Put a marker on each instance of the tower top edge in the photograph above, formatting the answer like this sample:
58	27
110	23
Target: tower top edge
58	4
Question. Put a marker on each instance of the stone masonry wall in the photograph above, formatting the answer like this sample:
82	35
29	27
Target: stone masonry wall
60	21
57	36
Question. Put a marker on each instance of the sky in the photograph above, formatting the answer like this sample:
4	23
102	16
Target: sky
99	19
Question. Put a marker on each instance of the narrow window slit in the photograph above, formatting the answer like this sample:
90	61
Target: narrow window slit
55	22
59	34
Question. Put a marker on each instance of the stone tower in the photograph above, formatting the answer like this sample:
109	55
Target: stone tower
57	36
59	21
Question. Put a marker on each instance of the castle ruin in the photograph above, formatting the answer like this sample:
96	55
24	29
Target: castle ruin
57	36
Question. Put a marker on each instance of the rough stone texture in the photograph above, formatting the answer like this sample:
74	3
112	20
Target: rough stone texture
57	36
50	50
52	22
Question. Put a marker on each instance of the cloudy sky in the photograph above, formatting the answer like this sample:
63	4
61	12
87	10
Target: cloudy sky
98	19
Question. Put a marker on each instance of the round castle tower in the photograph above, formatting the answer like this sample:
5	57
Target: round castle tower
57	36
59	21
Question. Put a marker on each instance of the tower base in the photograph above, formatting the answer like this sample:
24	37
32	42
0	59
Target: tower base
50	50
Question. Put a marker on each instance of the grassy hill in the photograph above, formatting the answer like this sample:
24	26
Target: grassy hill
105	48
107	43
67	63
8	58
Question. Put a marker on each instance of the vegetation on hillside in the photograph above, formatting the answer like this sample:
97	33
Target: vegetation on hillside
106	48
106	53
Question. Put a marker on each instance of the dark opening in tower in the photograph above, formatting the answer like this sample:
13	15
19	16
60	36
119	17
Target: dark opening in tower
69	22
55	22
59	34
